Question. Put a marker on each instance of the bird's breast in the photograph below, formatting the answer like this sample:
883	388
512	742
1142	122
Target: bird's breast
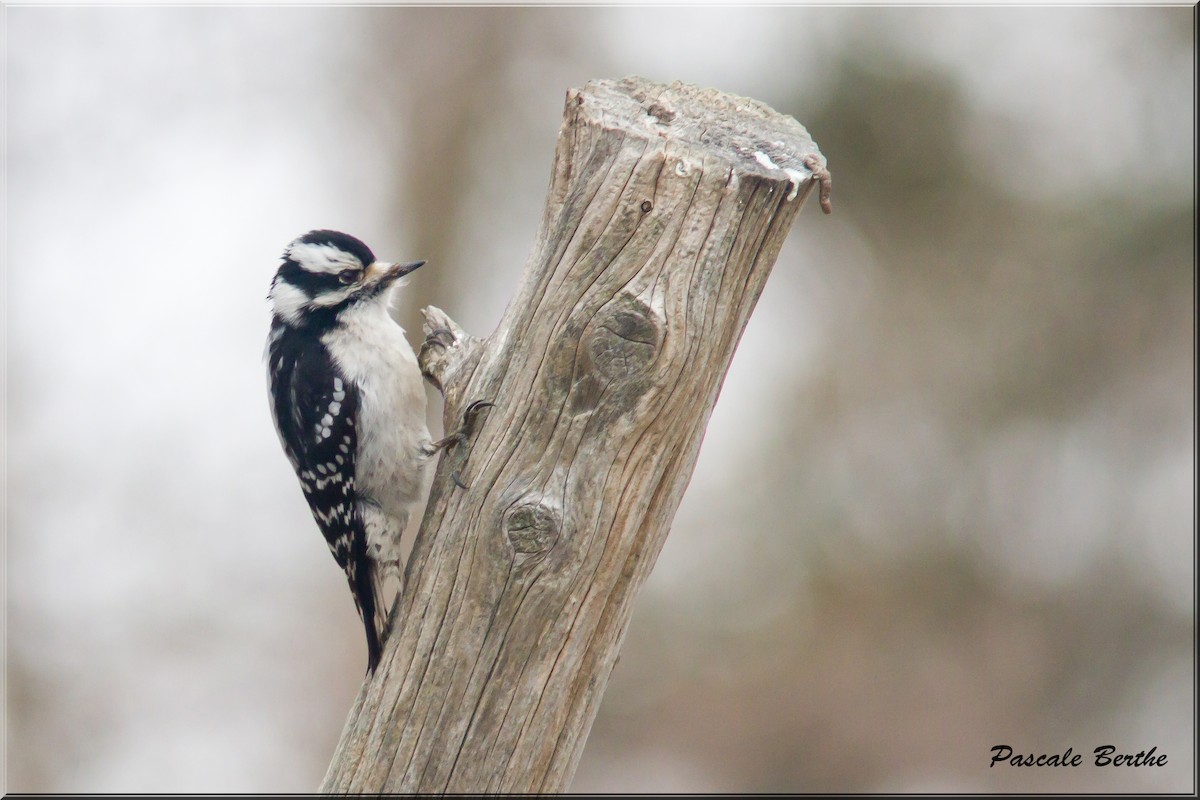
370	350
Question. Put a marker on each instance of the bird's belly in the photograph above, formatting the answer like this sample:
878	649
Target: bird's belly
390	462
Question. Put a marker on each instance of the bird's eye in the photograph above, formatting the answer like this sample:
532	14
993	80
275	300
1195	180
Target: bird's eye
349	275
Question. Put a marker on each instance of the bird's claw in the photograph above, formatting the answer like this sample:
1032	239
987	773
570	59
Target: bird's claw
471	415
441	336
461	437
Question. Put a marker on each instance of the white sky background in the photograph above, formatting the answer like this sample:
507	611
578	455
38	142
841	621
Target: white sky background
159	160
162	161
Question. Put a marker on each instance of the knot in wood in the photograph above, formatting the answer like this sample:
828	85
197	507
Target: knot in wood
624	338
662	115
532	527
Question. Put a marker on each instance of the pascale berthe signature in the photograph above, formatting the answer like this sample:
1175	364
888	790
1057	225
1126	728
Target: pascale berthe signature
1103	756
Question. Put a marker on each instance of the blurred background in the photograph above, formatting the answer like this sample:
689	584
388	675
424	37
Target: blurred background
946	500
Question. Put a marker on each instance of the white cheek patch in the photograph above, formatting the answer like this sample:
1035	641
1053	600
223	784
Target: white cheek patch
331	297
287	300
321	258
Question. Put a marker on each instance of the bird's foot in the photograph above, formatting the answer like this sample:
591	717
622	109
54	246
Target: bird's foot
443	337
461	437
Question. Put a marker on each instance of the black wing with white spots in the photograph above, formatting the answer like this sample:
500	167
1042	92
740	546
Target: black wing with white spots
315	409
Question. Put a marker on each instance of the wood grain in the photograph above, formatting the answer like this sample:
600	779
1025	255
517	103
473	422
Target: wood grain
666	210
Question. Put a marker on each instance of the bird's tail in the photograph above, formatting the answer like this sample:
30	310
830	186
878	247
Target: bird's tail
372	608
383	605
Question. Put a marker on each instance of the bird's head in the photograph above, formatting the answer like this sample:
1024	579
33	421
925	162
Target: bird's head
324	272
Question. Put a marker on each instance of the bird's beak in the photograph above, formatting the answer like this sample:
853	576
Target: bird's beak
383	272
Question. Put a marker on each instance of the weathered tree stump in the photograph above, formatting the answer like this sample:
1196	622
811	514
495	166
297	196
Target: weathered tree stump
667	209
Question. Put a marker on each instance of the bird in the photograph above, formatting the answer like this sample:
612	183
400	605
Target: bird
348	401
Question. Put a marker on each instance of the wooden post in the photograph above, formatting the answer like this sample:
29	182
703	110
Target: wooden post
666	211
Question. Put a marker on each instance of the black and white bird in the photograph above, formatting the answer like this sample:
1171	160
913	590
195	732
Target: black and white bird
349	405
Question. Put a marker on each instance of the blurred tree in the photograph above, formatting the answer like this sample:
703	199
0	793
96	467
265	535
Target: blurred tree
896	667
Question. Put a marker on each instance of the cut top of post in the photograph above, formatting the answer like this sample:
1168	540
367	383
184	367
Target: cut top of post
765	142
